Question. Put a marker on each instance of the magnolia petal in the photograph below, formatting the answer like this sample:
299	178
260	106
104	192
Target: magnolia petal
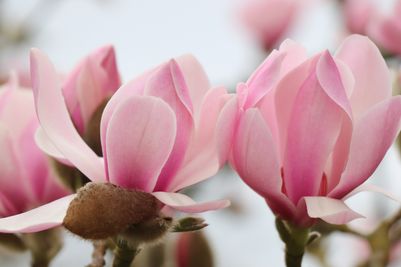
285	95
313	129
264	78
373	189
133	87
373	134
331	81
255	154
226	125
139	140
296	55
330	78
39	219
201	160
168	84
184	203
372	77
43	142
55	119
196	80
330	210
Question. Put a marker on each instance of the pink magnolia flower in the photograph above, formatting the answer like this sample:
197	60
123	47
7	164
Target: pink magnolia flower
269	19
26	176
157	134
384	29
305	133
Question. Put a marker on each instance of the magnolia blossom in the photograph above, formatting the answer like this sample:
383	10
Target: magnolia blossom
305	133
26	176
384	29
157	135
269	19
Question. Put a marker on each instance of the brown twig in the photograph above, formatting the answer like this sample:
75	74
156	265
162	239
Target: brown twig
99	250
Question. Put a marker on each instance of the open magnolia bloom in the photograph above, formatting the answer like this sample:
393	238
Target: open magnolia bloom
26	176
305	133
157	136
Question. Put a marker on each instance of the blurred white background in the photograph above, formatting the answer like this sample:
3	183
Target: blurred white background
148	32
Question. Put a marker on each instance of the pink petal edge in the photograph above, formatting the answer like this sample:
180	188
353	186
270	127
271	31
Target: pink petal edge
39	219
55	119
186	204
330	210
374	189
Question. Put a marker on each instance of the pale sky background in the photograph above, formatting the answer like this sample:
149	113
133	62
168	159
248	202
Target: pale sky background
148	32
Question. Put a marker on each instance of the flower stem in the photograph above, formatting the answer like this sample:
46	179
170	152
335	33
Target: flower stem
296	239
124	254
99	250
44	246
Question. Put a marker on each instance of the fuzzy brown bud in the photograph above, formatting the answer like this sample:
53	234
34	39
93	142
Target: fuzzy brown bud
102	210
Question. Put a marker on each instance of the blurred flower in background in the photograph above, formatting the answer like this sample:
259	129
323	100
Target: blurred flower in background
383	27
269	20
27	177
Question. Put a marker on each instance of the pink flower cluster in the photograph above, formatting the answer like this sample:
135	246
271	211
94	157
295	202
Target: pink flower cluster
303	132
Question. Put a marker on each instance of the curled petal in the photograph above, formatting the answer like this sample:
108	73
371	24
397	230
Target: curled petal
373	189
264	78
196	80
226	125
330	210
184	203
43	142
372	136
55	119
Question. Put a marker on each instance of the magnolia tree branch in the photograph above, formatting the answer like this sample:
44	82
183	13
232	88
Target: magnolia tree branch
296	239
124	253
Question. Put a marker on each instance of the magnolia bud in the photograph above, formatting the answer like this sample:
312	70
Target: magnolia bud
102	210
